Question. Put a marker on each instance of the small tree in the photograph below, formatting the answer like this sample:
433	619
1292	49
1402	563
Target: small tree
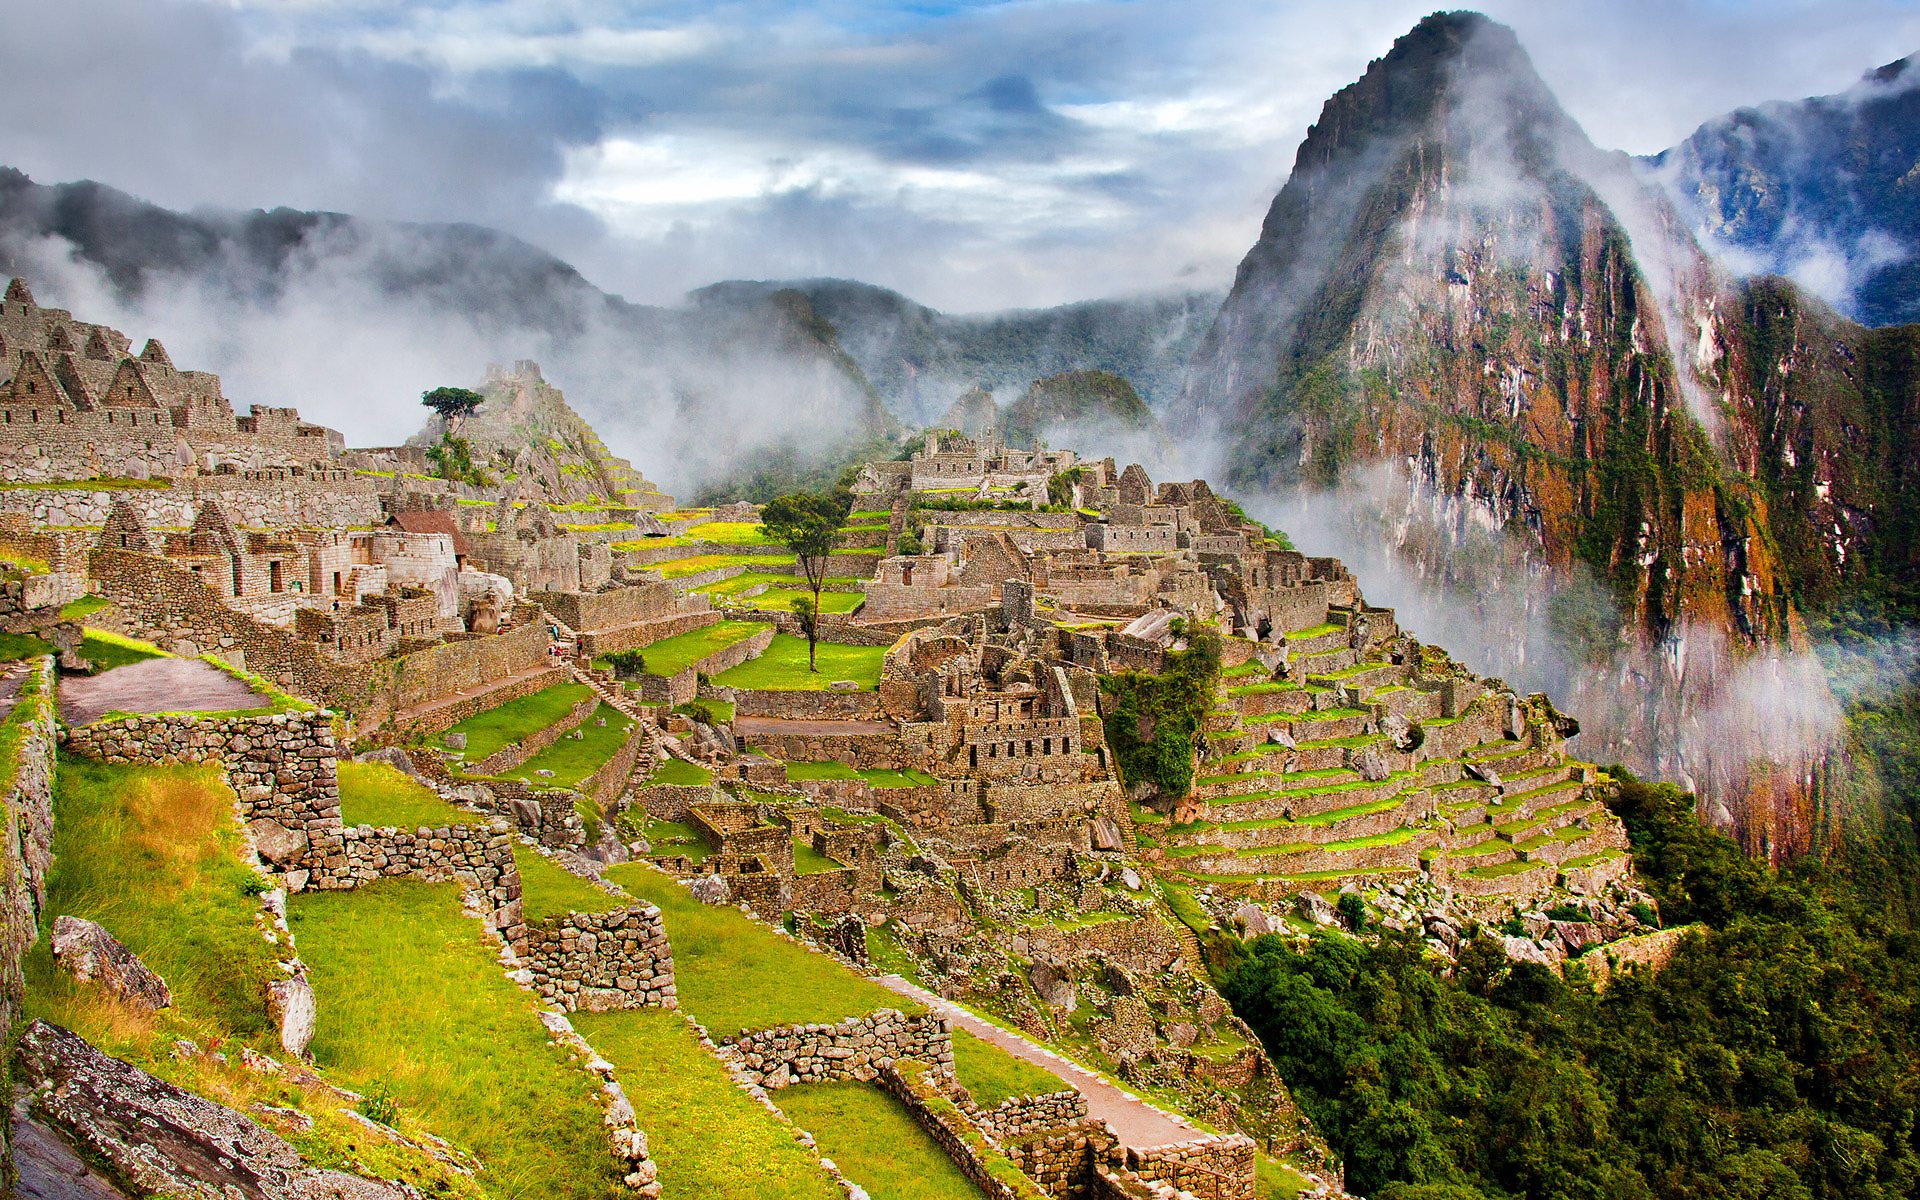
805	522
452	403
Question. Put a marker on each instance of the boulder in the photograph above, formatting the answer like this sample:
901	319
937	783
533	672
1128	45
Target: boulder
1483	773
1253	919
1106	834
709	889
290	1002
1314	907
1129	879
1368	763
1404	734
163	1141
94	955
1525	950
1578	935
455	741
1054	985
277	844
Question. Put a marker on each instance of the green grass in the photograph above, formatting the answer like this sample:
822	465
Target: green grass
679	772
1500	870
153	854
573	759
548	889
731	533
734	973
873	1138
781	600
15	646
898	779
413	1000
720	710
373	793
783	668
808	861
1276	1181
675	837
710	1140
1301	635
516	720
670	656
81	609
107	650
694	564
797	771
993	1075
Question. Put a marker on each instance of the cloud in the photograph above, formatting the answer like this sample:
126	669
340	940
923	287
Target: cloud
1060	150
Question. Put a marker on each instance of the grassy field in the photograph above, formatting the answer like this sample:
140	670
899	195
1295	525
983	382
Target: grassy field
374	793
675	837
516	720
415	1004
798	771
872	1138
808	861
781	600
734	973
993	1075
670	656
548	889
710	1140
731	533
694	564
22	645
573	759
680	772
746	579
107	650
783	668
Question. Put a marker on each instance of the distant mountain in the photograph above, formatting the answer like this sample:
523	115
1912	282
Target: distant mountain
1826	190
1501	355
350	319
922	360
1061	407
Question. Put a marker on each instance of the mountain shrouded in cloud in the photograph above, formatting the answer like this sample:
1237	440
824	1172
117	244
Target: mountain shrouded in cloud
1826	191
1492	349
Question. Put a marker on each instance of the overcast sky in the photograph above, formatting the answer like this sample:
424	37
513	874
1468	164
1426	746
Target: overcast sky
974	154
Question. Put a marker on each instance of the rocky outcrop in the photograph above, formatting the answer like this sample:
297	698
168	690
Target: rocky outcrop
92	955
156	1139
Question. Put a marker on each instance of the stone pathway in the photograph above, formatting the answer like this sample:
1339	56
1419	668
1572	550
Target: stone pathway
154	685
1138	1123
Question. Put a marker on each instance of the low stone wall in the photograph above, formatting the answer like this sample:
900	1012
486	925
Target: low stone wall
272	503
684	686
473	662
446	716
509	757
607	782
1062	1161
671	801
602	961
956	1137
1214	1167
807	706
1020	1116
594	643
827	892
856	1048
27	739
478	857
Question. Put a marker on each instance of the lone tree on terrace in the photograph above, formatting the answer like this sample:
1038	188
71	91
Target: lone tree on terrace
452	403
805	523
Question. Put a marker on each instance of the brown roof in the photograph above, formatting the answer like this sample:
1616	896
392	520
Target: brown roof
438	521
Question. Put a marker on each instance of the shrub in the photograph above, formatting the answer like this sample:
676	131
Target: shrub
627	664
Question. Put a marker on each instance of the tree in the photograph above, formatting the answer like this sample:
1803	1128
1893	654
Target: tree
805	522
452	403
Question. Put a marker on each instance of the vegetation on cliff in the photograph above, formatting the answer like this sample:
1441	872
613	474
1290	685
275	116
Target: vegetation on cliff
1774	1056
1153	722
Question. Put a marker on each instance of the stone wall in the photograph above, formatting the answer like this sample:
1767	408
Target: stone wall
602	961
856	1048
1214	1167
27	738
465	664
670	801
913	1086
1020	1116
609	780
1062	1160
478	857
807	706
684	687
446	716
257	499
594	643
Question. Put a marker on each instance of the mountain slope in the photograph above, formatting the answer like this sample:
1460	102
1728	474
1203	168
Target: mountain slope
1826	190
923	360
1633	475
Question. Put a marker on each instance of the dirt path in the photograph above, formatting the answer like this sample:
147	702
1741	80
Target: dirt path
154	685
1138	1123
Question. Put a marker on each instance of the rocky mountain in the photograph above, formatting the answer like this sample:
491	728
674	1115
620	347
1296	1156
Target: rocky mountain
1826	190
922	360
1510	361
1076	402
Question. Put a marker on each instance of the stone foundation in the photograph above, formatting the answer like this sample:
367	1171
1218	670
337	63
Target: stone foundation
601	961
856	1048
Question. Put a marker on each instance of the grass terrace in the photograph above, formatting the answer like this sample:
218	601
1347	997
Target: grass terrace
573	759
783	668
871	1136
373	793
697	563
416	1006
497	728
731	533
670	656
710	1140
993	1075
678	772
808	861
734	973
675	837
781	600
1301	635
549	889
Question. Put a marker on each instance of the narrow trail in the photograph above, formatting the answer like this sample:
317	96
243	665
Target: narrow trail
1140	1125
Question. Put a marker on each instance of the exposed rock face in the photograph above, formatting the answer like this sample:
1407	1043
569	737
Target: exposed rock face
159	1140
709	889
1054	985
95	956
